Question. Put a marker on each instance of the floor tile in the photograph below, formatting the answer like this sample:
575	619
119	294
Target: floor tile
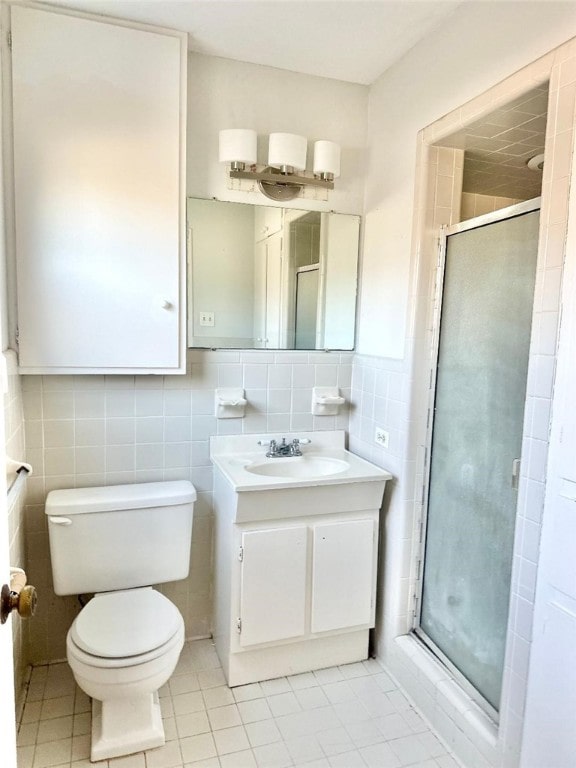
347	760
192	724
273	756
311	698
248	692
196	748
218	697
254	710
351	716
304	749
244	759
379	756
272	687
57	728
263	733
231	740
283	704
224	717
168	756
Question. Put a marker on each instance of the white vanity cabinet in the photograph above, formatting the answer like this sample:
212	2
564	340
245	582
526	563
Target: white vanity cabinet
99	118
301	580
295	565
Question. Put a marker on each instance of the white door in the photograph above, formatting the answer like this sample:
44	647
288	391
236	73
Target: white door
260	295
7	713
273	585
273	290
343	575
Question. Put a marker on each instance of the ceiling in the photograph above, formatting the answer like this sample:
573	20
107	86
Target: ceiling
351	40
499	145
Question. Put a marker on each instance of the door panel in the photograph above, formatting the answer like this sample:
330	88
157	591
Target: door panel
273	585
342	575
477	434
97	192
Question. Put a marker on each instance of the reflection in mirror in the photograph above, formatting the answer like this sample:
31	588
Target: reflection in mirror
270	278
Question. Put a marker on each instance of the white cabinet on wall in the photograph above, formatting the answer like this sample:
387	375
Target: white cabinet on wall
99	117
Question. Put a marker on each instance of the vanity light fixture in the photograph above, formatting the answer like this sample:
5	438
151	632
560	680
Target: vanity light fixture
285	175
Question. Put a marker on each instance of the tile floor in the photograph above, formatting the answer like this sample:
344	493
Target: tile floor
343	717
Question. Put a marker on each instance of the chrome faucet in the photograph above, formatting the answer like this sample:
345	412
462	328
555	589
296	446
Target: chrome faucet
275	449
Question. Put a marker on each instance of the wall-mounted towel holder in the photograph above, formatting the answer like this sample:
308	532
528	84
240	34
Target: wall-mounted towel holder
326	401
230	403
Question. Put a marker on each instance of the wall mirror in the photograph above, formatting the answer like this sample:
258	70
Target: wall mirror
262	277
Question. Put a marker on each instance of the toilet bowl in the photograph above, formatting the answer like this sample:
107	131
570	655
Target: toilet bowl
125	642
122	648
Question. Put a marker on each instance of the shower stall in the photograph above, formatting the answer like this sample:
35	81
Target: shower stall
477	396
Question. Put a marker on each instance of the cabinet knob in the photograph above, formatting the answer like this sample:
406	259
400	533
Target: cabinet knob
167	304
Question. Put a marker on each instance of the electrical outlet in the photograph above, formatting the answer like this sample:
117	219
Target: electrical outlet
382	437
207	318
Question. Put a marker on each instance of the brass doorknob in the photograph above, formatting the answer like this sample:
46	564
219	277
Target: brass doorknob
24	602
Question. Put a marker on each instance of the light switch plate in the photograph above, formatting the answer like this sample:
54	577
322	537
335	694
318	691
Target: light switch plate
207	318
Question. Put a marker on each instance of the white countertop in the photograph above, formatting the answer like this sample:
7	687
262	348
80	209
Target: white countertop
232	454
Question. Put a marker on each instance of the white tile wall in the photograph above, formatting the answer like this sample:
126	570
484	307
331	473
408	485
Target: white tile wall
101	430
469	732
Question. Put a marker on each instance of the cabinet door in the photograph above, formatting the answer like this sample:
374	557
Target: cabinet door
343	575
273	290
98	158
260	295
273	585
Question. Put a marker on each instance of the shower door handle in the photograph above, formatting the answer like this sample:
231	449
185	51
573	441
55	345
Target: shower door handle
515	473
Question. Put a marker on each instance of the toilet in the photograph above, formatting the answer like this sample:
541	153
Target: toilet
116	542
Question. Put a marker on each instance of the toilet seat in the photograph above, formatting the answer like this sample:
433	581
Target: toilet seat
125	628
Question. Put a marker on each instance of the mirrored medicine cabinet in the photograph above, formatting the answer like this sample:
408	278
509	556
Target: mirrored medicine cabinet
262	277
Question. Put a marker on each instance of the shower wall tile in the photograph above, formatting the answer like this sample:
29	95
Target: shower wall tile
408	383
100	430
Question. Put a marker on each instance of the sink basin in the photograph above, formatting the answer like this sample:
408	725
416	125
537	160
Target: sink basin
325	470
299	467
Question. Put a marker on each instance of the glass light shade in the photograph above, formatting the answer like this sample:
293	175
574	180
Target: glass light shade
238	145
287	149
326	158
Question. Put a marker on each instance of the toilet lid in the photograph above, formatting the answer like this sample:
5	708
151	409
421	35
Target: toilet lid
127	623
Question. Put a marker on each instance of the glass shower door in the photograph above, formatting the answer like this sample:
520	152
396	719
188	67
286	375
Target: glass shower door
476	444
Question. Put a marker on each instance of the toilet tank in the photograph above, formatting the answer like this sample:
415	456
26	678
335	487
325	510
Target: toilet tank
120	536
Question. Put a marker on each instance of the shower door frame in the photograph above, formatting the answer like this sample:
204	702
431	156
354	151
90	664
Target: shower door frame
502	214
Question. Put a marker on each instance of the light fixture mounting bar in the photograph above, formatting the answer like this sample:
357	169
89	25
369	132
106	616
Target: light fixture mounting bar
272	177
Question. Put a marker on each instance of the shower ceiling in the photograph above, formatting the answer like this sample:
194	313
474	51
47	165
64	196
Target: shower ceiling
498	146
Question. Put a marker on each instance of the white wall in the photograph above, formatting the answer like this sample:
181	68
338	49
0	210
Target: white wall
478	46
221	245
233	94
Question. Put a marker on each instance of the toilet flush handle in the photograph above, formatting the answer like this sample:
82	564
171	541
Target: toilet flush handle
60	520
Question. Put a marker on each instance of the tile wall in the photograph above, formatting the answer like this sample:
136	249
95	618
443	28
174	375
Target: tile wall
102	430
14	423
476	205
477	741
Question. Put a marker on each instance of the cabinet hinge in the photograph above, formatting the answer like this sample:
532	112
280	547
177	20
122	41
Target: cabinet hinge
241	554
415	609
17	336
239	625
9	39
